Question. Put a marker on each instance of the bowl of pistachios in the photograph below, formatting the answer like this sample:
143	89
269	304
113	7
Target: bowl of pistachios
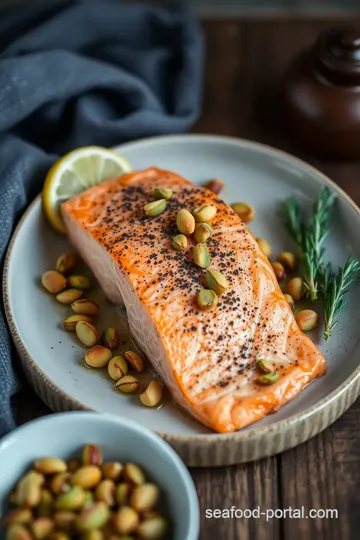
87	476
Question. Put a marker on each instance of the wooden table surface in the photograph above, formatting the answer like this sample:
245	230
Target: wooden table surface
245	62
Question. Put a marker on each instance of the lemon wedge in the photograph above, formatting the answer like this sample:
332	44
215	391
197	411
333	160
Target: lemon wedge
76	172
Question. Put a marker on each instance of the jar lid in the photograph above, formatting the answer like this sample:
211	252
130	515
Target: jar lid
337	55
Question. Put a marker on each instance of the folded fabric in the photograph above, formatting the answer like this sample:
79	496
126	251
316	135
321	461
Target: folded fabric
74	73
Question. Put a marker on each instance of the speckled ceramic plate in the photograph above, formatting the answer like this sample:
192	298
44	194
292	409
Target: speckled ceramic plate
254	173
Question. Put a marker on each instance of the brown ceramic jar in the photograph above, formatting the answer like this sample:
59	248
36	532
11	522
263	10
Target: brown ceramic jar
322	95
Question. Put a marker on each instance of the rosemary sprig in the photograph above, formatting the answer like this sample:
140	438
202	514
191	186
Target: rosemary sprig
334	289
310	239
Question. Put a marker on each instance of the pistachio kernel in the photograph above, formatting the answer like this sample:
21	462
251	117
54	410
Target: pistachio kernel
79	282
87	477
268	378
290	301
279	270
265	247
98	356
134	360
128	384
307	320
133	474
70	323
117	367
296	288
288	260
84	306
245	211
18	532
126	520
66	262
71	500
122	493
202	232
216	281
87	333
265	366
202	214
91	455
207	299
185	221
92	517
152	394
112	470
17	516
69	296
153	526
215	185
155	208
143	498
162	193
41	527
53	281
110	338
201	256
50	465
179	242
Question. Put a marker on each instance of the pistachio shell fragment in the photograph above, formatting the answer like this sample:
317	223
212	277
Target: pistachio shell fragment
179	242
125	520
203	214
290	301
87	477
91	455
106	492
112	470
110	338
133	474
41	527
70	323
64	519
307	320
87	333
152	395
50	465
288	260
185	221
201	256
144	497
162	193
122	494
85	307
16	517
279	270
134	360
268	378
155	208
69	296
207	299
79	282
18	532
296	288
202	232
93	517
117	368
152	528
53	281
216	281
128	384
66	262
215	185
71	500
98	356
245	211
265	366
265	247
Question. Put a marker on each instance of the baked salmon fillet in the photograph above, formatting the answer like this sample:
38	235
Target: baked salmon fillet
207	359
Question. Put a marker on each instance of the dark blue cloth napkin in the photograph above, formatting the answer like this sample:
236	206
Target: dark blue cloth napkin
75	73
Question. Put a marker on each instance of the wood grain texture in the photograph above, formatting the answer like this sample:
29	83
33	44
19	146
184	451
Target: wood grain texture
245	62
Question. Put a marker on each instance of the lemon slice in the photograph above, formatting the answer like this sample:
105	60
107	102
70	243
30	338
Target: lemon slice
76	172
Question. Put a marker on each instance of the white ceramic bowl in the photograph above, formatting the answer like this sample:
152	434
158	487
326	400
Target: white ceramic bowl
63	435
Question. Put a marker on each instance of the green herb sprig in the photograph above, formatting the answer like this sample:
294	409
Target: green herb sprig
334	289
